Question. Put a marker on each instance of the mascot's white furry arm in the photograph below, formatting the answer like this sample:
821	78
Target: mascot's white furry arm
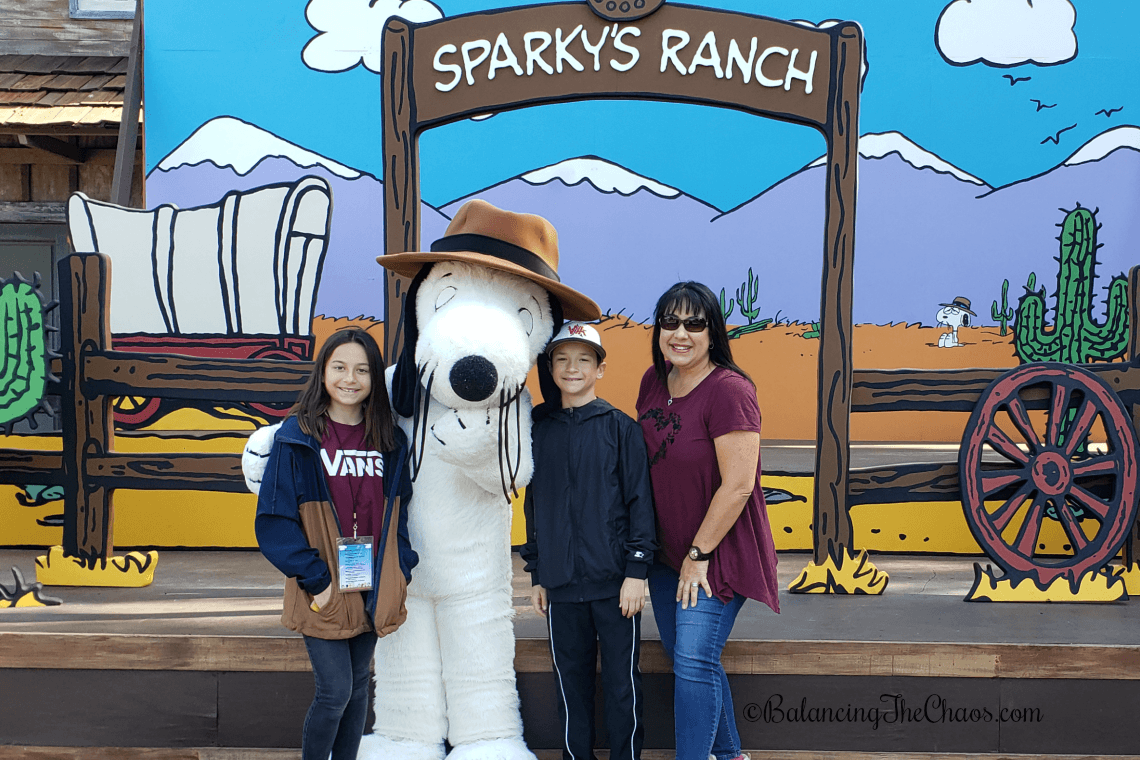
480	309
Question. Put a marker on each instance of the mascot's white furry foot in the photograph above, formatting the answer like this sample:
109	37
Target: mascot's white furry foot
492	749
377	747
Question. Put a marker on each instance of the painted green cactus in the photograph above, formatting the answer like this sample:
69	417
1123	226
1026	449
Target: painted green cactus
1075	337
746	297
23	362
1002	314
726	311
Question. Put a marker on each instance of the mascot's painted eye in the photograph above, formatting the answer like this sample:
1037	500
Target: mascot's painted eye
444	296
527	319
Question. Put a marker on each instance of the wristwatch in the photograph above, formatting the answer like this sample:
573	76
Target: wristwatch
697	555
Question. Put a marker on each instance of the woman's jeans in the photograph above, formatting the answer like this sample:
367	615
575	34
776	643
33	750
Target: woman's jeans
694	639
335	722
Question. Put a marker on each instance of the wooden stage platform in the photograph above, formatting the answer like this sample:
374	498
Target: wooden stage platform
197	666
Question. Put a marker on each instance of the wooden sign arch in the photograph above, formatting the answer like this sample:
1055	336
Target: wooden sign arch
491	61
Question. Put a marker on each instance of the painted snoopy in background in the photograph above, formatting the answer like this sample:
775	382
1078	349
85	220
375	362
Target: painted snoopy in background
955	314
479	310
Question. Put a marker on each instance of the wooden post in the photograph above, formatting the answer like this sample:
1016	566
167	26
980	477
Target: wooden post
121	179
1134	315
401	173
832	523
1132	544
85	285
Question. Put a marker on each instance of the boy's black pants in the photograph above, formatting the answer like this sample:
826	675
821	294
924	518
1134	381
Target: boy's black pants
577	630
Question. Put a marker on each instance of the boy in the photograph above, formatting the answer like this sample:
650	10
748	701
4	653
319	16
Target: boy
590	541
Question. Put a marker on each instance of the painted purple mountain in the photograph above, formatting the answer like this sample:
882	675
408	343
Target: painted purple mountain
227	154
622	238
902	271
625	238
926	231
1023	220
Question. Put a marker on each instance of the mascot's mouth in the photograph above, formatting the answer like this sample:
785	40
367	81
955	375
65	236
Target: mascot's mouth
509	462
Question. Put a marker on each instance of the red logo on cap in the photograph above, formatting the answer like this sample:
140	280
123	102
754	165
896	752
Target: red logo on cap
577	330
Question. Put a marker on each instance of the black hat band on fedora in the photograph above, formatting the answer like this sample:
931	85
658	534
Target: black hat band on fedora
500	249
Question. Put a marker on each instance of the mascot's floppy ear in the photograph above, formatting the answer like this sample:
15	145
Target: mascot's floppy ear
551	395
405	380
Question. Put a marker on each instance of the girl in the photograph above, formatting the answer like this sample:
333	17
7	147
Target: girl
337	472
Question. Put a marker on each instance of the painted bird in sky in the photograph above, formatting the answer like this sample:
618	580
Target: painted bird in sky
1056	139
1108	112
1041	105
1014	80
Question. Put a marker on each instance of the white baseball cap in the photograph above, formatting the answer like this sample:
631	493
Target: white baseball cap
580	332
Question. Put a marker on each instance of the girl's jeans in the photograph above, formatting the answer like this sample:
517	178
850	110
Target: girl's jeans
335	722
694	638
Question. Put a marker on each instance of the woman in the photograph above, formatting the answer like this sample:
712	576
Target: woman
701	422
338	469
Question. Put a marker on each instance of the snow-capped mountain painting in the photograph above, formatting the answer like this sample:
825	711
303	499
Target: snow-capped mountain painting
884	144
230	143
228	154
603	175
926	231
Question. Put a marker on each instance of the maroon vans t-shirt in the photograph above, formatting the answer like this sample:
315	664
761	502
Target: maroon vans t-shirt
685	475
355	474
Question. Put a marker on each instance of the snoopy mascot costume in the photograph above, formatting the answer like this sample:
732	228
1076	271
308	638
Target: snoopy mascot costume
481	307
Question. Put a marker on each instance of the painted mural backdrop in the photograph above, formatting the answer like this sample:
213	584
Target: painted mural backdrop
986	125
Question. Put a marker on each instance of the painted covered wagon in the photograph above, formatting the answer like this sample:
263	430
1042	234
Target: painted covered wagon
237	278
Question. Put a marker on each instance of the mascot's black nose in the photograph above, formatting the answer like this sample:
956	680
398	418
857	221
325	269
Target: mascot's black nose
473	378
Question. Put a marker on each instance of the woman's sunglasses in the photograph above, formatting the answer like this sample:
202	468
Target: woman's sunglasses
671	322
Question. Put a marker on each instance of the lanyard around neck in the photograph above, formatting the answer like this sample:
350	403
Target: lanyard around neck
354	493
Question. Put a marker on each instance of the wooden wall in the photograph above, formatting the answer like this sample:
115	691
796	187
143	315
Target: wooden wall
45	27
28	175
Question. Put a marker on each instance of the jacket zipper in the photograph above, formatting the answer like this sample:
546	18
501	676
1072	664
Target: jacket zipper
571	467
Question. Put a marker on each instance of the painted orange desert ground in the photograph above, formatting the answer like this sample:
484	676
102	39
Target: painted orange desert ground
784	365
779	358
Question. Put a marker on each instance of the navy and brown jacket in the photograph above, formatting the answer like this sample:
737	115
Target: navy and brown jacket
297	528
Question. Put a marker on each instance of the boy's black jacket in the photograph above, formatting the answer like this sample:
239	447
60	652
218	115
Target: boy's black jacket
589	507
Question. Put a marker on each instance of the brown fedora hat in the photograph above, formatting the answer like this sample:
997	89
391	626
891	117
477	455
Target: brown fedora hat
521	244
960	302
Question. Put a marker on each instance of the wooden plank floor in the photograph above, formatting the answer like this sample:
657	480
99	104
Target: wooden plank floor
221	753
210	621
220	611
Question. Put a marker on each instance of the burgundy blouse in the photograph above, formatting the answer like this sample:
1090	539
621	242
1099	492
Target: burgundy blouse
685	475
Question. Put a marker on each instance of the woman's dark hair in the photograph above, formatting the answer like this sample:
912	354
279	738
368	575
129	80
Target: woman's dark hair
314	400
697	299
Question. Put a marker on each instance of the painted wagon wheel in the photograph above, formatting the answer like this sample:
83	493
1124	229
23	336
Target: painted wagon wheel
273	411
133	412
1051	477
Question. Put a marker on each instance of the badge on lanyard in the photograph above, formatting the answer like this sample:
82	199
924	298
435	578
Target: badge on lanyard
354	563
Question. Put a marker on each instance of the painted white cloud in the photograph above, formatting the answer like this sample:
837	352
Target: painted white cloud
1007	32
350	31
830	23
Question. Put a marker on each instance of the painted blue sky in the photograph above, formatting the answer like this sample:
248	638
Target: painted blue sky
207	58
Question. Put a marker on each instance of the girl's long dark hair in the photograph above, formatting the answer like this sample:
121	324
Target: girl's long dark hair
698	300
313	402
